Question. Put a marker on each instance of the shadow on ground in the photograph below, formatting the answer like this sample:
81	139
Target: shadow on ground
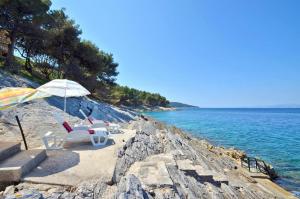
57	161
87	146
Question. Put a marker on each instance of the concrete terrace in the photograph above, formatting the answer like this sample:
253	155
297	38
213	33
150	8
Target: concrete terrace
79	162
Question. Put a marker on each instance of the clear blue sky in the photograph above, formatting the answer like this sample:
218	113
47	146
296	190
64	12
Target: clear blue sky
211	53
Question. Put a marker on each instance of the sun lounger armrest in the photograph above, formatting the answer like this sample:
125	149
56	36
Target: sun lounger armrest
49	133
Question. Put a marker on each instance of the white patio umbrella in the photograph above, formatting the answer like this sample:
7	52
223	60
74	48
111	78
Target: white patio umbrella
64	88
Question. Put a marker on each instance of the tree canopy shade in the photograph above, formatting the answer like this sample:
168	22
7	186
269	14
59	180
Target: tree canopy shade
50	46
19	18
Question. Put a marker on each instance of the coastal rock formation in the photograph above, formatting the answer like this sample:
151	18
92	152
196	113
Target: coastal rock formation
163	162
8	80
130	188
170	164
137	148
86	190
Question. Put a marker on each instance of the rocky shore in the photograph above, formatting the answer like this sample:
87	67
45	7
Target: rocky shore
164	162
142	109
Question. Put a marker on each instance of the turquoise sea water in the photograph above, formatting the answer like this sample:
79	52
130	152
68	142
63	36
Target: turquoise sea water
271	134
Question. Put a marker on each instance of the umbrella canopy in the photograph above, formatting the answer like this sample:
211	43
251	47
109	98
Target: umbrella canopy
64	88
12	96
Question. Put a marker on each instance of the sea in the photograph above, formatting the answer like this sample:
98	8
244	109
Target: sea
270	134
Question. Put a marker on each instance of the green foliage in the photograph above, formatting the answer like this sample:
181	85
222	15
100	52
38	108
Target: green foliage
123	95
20	18
50	47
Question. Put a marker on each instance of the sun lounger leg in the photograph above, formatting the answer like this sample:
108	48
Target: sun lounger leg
57	142
96	140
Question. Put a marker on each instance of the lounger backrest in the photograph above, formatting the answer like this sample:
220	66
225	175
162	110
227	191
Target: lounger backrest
86	117
90	119
65	124
67	127
83	114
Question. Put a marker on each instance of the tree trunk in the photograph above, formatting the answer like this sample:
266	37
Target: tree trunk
47	75
9	62
28	65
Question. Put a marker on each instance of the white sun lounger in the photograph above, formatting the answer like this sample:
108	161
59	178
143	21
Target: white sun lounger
97	136
112	127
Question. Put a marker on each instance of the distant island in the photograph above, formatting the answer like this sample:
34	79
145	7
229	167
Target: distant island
171	106
181	105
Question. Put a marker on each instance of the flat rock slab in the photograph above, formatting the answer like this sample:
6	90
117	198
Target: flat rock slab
152	174
8	149
153	171
13	168
79	162
6	145
167	158
185	164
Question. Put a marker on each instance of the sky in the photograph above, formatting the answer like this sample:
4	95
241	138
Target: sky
210	53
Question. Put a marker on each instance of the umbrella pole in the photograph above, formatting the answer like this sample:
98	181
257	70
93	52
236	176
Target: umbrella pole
21	129
65	107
